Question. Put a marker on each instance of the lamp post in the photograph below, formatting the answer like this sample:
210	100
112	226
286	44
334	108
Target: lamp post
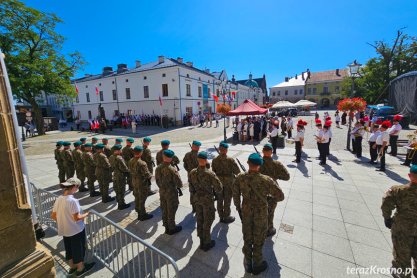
354	73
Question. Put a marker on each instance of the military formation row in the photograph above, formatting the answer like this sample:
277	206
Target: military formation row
255	193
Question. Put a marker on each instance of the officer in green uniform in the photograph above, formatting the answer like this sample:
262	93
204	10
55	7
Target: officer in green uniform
94	141
147	157
253	210
226	170
103	173
168	181
120	171
68	160
403	224
60	161
204	184
118	141
106	149
83	140
165	146
79	165
128	154
277	171
141	178
90	169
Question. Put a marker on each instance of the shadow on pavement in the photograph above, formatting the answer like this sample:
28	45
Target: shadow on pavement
328	169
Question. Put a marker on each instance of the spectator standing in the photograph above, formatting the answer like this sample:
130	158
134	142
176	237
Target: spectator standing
70	220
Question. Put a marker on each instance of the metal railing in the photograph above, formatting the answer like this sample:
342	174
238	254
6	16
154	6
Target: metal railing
122	252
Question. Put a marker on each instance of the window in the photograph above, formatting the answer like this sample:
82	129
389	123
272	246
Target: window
164	75
112	82
129	112
164	90
314	91
279	93
127	93
77	100
114	93
218	92
188	89
337	89
286	92
325	89
86	86
87	95
301	91
189	110
99	84
200	92
145	78
89	115
273	94
309	91
295	92
188	76
127	80
145	91
101	96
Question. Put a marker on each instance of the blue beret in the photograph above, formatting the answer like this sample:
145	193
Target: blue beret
119	140
256	159
66	144
224	145
202	155
94	139
88	145
59	143
118	147
268	146
169	153
147	139
100	146
413	169
77	144
165	142
138	149
130	140
197	143
83	139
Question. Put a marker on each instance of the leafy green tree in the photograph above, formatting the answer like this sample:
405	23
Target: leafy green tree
34	57
392	60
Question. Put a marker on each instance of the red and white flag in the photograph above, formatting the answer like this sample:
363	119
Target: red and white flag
96	90
76	88
160	101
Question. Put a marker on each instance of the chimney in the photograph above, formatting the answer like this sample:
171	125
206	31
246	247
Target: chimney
302	75
296	76
161	59
180	60
337	72
138	64
107	71
233	78
207	70
190	64
286	79
121	68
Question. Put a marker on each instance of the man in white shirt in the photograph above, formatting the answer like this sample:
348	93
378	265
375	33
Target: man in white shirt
70	220
372	143
273	135
299	140
394	132
358	139
382	143
290	126
324	140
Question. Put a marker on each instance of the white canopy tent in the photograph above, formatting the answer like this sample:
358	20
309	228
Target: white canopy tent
282	104
304	103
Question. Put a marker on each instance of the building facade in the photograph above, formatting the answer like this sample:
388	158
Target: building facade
257	89
164	87
324	87
292	89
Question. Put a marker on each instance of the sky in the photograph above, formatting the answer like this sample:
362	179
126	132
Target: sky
273	37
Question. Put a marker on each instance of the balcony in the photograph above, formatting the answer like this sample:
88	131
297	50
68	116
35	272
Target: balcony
325	93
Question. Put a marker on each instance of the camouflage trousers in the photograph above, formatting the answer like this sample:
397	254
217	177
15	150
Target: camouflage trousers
140	191
404	249
119	187
272	204
69	171
61	173
205	214
254	228
91	179
225	198
169	206
104	183
80	174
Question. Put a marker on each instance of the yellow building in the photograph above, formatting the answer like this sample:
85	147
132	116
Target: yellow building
325	87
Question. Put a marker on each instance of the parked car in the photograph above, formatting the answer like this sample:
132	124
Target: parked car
385	112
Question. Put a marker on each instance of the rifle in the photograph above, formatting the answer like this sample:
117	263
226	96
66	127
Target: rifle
256	150
153	163
217	150
241	166
176	166
190	145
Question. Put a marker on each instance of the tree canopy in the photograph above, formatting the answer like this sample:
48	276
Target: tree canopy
35	60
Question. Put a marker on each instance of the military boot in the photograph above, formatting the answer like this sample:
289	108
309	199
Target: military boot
228	219
201	243
122	206
145	217
94	193
82	188
260	268
107	199
209	245
247	263
271	232
175	230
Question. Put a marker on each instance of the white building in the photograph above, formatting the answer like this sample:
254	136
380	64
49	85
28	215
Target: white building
292	89
181	87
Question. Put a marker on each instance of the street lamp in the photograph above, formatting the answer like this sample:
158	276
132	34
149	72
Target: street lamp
354	73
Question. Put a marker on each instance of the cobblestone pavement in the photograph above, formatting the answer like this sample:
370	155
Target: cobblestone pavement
329	221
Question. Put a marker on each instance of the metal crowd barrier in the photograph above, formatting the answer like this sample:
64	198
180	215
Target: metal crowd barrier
123	253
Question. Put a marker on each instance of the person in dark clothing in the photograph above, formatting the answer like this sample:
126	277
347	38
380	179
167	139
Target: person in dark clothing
257	129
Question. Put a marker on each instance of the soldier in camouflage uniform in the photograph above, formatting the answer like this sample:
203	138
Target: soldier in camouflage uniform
120	171
90	169
68	160
159	154
60	161
79	165
128	154
147	157
190	162
403	225
103	173
94	141
204	184
226	169
118	141
277	171
141	178
106	150
168	181
253	210
83	140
